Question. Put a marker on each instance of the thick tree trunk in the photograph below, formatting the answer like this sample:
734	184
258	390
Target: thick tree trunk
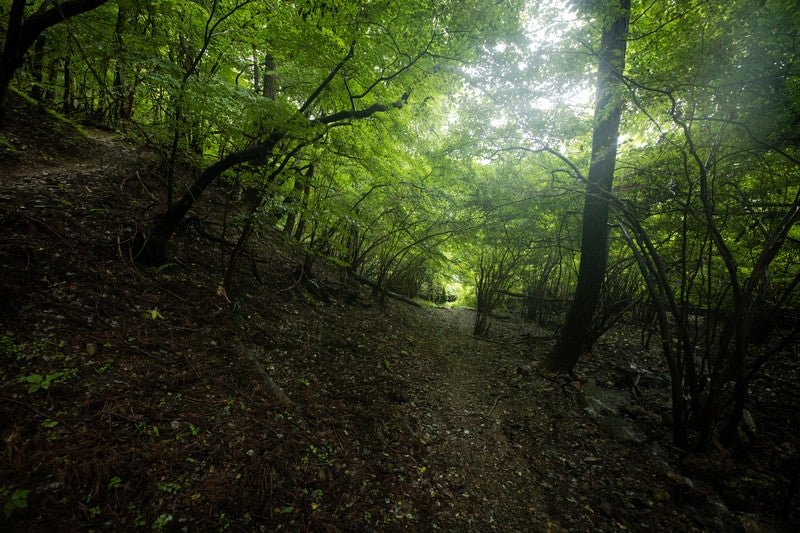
594	236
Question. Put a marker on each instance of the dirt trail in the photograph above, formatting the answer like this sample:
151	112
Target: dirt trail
466	405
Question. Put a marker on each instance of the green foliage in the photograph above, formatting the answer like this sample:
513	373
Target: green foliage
8	147
38	381
35	360
13	499
153	314
162	521
479	157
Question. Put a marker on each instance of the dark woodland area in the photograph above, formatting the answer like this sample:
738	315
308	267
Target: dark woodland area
142	398
399	266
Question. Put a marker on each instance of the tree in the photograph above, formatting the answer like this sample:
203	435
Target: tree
22	33
709	200
572	341
387	52
494	272
152	246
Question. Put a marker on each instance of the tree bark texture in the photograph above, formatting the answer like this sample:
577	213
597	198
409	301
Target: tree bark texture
573	340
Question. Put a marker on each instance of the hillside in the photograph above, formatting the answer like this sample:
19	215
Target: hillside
151	398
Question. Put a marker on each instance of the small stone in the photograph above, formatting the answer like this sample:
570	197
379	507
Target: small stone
91	349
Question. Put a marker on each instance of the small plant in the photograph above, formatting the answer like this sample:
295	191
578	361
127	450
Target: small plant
170	487
159	269
9	348
223	522
316	498
7	146
162	521
323	456
16	499
138	519
153	314
44	347
104	368
145	428
38	381
192	429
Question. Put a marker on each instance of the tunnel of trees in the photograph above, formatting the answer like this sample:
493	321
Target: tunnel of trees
482	144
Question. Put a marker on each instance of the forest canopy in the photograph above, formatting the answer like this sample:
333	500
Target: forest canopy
443	149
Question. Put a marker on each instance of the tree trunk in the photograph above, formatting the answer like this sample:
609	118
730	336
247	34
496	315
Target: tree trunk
294	213
150	247
120	108
13	51
21	33
301	218
270	88
66	97
37	69
594	236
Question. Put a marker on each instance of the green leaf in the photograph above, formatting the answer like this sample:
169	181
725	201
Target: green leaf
17	500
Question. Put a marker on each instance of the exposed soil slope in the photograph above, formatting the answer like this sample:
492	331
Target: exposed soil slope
151	398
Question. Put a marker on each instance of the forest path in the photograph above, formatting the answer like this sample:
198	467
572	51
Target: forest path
469	398
95	153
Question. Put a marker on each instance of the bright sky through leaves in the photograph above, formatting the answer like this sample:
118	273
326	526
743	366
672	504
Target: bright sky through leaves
548	25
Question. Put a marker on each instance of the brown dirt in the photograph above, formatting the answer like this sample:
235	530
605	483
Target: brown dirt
159	409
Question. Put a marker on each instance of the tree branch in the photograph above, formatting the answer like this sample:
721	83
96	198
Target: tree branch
360	114
329	79
40	21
